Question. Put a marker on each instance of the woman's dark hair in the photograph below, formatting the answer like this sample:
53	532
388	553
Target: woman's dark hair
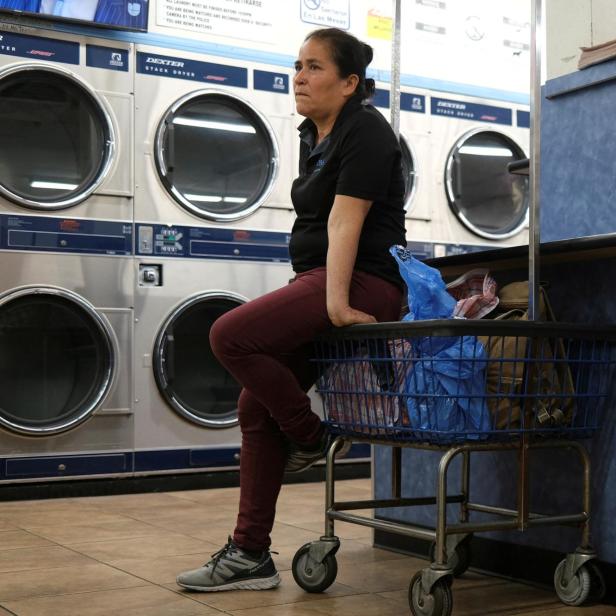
350	55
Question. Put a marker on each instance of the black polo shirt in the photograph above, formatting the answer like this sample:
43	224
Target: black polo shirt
360	158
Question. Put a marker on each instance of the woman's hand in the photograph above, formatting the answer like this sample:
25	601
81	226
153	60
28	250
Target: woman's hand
349	316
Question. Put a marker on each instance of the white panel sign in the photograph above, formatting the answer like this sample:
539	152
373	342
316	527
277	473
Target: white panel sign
251	20
329	13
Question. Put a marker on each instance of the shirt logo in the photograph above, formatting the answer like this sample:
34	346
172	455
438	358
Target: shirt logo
318	165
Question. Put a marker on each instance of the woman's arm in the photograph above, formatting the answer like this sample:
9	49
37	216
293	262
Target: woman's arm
344	226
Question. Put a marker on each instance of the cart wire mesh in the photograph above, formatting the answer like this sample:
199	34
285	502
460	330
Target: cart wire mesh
441	382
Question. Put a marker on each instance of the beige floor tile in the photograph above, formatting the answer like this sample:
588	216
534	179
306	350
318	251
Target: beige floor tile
25	559
121	502
287	593
351	552
162	570
4	612
186	513
151	546
105	531
364	605
594	610
35	516
64	580
6	525
11	539
344	530
499	599
380	576
150	600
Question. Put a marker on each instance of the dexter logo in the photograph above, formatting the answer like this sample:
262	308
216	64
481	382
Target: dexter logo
40	52
152	60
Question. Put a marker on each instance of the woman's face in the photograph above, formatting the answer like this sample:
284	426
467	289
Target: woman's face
319	90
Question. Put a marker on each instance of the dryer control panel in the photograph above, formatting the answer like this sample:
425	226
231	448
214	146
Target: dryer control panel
65	235
212	243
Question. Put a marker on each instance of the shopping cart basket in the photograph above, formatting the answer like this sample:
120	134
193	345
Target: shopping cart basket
535	386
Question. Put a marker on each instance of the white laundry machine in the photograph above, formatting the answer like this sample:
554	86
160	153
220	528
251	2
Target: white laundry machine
65	125
215	153
66	323
66	245
476	202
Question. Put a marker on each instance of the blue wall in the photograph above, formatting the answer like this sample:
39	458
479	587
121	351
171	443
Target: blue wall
578	154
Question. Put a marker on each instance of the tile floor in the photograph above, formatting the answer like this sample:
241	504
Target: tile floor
119	555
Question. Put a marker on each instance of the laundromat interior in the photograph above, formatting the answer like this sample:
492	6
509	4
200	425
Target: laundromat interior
148	153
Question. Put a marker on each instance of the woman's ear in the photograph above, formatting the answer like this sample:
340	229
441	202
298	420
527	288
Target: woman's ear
351	83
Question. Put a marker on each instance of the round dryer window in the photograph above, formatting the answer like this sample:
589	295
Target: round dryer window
487	199
187	373
56	361
57	138
216	155
409	172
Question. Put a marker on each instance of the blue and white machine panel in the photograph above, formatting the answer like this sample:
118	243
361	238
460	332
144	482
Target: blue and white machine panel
191	70
110	58
65	235
409	101
212	243
470	111
38	48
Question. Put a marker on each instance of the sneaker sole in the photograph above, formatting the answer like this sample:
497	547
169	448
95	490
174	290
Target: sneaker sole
248	584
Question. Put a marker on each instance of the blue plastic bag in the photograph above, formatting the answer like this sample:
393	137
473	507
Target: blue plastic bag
445	389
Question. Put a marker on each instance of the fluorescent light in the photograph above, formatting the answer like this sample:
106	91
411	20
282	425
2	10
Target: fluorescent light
53	185
215	199
234	128
204	198
479	150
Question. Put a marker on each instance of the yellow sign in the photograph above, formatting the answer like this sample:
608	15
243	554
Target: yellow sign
379	26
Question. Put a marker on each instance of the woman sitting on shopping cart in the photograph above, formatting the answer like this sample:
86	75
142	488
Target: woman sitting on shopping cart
349	204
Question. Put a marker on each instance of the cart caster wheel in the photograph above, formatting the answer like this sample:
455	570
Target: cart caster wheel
597	582
311	575
577	590
460	560
439	602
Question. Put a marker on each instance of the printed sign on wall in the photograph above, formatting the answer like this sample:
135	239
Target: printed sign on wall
329	13
251	20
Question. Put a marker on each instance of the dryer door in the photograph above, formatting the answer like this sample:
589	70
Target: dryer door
57	137
485	197
216	155
409	172
56	360
187	373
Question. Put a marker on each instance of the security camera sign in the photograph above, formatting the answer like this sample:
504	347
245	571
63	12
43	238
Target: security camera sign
331	13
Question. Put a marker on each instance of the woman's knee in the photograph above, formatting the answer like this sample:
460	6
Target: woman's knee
223	336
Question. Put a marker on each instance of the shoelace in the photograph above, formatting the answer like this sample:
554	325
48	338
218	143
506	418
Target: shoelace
226	549
217	556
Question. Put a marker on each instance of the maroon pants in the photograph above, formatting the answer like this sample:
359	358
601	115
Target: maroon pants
266	345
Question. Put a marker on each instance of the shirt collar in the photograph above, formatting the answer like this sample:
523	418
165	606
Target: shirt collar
307	129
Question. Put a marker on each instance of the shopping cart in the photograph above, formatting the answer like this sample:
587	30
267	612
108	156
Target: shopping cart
544	386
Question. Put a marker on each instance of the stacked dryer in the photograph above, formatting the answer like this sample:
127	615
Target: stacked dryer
474	141
214	163
66	282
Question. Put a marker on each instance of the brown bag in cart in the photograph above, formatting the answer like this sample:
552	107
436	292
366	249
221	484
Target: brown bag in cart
508	375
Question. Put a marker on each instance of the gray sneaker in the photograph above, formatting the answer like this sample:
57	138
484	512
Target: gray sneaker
232	569
299	459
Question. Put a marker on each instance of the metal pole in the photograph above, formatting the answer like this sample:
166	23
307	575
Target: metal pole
394	96
535	158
